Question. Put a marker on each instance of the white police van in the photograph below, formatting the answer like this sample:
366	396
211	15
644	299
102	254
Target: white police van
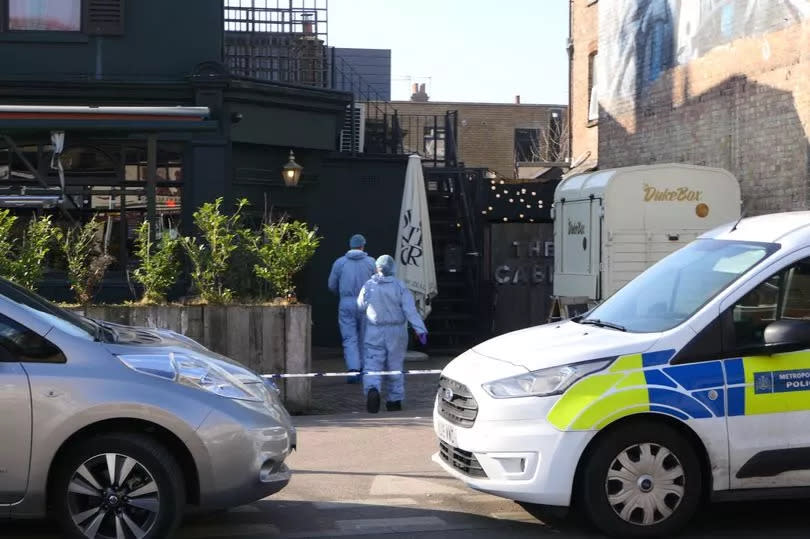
690	383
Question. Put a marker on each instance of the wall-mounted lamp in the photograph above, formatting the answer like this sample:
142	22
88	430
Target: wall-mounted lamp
291	172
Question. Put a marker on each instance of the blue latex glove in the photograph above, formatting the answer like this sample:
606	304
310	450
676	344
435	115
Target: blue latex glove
422	338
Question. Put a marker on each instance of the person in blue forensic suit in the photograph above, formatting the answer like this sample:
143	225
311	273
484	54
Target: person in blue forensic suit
349	273
388	307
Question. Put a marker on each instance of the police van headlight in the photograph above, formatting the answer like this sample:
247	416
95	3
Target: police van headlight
545	382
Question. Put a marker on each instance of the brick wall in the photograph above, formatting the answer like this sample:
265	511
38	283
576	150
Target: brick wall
743	105
584	38
486	131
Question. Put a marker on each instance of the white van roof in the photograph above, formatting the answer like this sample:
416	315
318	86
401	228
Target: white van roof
771	228
595	183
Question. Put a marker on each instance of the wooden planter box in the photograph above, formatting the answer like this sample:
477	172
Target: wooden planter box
266	339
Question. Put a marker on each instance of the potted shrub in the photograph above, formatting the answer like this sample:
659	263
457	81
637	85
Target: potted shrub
22	259
86	259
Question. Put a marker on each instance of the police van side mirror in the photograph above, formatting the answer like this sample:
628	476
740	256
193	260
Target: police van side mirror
787	336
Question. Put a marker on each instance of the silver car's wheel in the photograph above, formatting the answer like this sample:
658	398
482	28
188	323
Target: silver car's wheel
645	484
118	486
113	496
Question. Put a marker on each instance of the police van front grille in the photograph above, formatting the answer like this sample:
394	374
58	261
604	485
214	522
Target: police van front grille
463	461
456	403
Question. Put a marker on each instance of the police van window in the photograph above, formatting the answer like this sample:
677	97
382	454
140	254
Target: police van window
797	292
755	311
783	295
18	343
672	290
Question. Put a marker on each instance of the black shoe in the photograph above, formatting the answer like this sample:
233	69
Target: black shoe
354	379
373	401
393	406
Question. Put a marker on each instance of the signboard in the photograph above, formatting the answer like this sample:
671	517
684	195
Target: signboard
521	270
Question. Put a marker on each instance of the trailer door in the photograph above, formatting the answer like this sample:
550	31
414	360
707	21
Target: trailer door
577	235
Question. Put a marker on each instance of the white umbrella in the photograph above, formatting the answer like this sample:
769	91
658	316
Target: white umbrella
414	250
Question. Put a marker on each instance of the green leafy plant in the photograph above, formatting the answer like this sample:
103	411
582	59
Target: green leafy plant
159	265
211	254
22	255
86	260
283	249
38	239
7	244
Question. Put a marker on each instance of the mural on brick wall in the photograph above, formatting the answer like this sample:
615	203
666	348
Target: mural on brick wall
640	39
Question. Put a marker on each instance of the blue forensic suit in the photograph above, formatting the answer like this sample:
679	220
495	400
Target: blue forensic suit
349	272
388	307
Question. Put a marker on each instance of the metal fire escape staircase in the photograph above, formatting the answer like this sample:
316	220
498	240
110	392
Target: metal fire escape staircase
455	321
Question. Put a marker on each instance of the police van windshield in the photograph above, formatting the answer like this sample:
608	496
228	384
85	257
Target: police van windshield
675	288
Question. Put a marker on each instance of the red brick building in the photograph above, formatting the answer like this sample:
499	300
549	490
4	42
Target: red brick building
514	140
722	83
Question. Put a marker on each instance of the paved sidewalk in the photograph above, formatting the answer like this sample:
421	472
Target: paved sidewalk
333	395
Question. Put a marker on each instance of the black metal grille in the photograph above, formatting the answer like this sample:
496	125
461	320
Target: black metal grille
463	461
456	404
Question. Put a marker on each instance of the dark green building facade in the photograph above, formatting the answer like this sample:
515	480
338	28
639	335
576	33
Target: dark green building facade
159	53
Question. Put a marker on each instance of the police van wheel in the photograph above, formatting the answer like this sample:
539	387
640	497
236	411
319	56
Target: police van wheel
642	479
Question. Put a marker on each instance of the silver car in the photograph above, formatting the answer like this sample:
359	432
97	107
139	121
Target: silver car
115	431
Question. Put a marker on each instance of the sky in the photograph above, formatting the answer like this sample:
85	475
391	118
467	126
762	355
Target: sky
463	50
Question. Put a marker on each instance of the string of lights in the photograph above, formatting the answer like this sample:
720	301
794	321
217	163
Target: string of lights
527	202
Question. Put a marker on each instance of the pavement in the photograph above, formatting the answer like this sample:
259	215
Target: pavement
332	395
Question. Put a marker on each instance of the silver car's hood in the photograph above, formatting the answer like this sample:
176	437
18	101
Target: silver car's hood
133	335
141	340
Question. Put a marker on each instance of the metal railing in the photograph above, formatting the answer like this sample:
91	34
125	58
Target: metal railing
287	58
286	41
431	136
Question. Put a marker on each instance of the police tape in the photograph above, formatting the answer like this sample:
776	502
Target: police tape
353	374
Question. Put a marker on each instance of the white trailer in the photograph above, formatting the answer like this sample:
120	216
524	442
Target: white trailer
611	225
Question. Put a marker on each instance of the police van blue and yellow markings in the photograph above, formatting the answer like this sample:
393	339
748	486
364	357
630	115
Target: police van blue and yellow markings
772	384
642	383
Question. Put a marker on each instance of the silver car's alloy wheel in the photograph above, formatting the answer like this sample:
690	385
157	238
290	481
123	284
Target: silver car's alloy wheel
645	484
113	496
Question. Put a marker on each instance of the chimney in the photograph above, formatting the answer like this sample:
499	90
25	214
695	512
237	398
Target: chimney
306	21
419	94
517	100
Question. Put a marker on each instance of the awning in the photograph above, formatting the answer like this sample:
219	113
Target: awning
80	118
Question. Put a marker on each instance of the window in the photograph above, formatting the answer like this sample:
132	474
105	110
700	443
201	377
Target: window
48	15
105	180
785	295
54	20
65	320
527	145
18	343
434	142
593	92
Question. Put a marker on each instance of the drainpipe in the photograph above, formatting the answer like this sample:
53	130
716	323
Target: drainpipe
570	47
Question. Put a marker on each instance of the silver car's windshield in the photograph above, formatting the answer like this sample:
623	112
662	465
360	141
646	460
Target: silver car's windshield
675	288
47	311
